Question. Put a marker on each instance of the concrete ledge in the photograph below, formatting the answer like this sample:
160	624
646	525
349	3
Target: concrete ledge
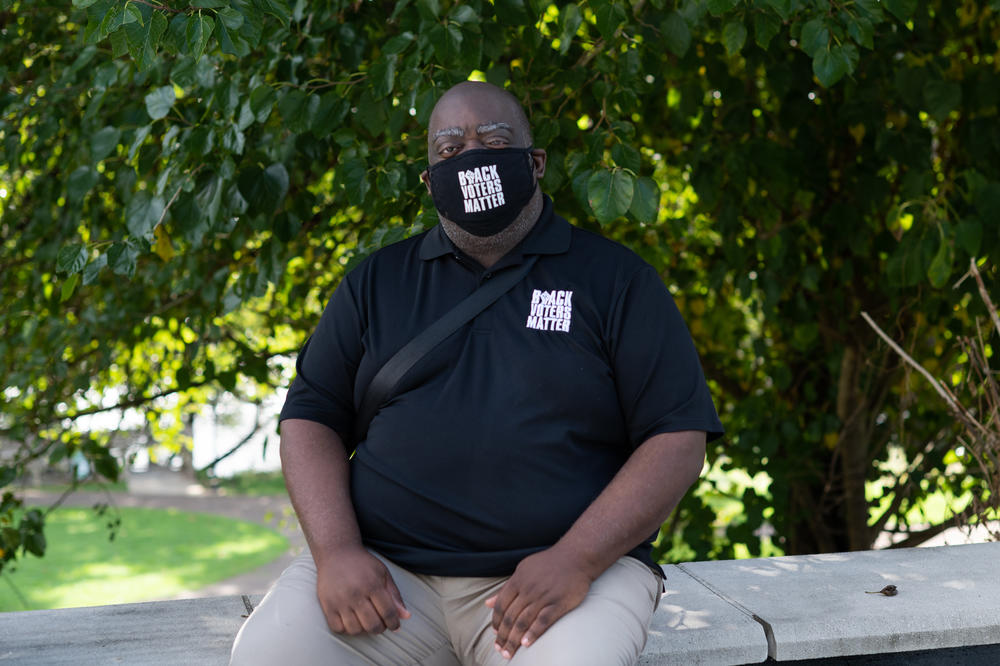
819	606
731	612
188	631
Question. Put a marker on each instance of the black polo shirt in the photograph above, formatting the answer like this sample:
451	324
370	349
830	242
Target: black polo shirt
499	439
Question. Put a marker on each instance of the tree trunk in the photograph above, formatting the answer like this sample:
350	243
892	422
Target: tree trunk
852	447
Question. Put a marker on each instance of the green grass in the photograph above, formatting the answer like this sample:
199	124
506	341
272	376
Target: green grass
252	483
156	554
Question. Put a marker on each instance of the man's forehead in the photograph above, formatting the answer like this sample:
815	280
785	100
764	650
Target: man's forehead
481	128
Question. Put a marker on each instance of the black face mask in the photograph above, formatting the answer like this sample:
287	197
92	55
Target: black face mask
483	190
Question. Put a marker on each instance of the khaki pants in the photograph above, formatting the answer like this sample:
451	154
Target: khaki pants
449	625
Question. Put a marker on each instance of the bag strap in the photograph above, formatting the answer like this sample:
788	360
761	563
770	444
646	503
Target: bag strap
389	375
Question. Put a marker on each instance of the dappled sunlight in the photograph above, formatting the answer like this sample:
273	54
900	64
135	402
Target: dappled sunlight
155	554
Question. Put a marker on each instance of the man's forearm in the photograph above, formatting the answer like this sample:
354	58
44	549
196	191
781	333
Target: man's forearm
314	461
638	499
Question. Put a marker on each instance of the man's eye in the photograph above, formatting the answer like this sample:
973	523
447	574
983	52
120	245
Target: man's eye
448	150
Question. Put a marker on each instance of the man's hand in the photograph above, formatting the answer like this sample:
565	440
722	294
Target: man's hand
357	593
545	586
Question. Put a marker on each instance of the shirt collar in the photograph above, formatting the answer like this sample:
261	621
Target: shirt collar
550	235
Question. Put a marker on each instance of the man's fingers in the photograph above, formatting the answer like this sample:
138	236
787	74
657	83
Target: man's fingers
352	627
387	610
369	618
397	598
545	619
513	628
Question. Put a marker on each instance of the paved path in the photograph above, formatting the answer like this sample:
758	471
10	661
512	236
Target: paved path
273	511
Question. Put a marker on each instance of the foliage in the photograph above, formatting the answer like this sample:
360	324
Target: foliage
975	404
156	554
184	182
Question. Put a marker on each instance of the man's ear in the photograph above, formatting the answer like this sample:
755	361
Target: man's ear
539	158
427	180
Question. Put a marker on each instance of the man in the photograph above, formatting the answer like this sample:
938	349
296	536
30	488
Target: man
502	504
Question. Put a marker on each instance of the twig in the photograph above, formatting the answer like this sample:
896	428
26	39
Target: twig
162	8
944	393
985	296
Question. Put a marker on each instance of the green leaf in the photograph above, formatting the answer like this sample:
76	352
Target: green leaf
81	181
142	40
262	100
142	214
570	20
734	36
941	98
645	201
609	194
72	258
828	68
230	18
901	9
113	20
330	113
862	31
68	287
381	76
511	12
389	181
941	267
765	28
103	142
159	101
718	7
815	37
279	9
782	7
626	157
293	106
447	41
209	4
263	189
122	257
131	14
848	54
609	15
464	14
355	178
199	31
83	4
430	7
676	33
119	42
93	269
230	41
969	235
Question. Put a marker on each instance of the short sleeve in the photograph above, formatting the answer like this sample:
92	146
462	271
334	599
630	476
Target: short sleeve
323	389
659	378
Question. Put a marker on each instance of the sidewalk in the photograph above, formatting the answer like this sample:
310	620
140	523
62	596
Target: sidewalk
167	490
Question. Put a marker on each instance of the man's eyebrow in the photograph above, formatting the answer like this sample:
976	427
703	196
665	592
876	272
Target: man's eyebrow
486	128
449	131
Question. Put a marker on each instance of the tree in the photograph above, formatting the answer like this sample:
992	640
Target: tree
185	181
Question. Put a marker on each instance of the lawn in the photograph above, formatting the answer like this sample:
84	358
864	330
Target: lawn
156	554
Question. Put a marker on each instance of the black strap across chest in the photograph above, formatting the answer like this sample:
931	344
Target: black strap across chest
385	381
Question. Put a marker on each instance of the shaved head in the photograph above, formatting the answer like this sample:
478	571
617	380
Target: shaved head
484	107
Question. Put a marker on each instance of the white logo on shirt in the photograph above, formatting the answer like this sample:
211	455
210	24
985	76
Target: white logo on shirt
481	188
551	310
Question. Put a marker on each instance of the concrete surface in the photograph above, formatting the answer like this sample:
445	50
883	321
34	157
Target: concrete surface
694	626
816	606
812	607
191	632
